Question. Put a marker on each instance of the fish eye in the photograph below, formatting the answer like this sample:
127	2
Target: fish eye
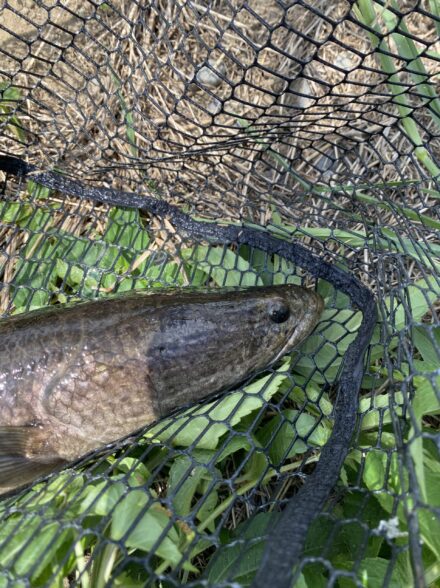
279	311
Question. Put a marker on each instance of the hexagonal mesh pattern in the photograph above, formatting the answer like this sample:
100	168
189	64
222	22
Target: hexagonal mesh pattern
230	144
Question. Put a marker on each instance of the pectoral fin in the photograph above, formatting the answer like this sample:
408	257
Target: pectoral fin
18	471
22	456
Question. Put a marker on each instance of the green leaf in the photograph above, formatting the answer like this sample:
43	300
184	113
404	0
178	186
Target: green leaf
376	409
234	442
364	514
184	479
209	422
310	396
16	213
381	475
259	261
428	254
429	525
124	229
5	581
425	402
224	266
10	101
325	349
284	272
372	572
291	433
142	525
314	575
138	472
339	539
238	560
427	340
36	190
101	499
419	298
332	296
164	273
31	557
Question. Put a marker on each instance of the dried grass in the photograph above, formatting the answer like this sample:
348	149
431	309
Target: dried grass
186	138
189	137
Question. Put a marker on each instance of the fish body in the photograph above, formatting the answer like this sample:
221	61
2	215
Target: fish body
75	378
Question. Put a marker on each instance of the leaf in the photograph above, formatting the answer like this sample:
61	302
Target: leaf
333	297
365	513
235	442
336	538
419	298
125	580
36	190
381	475
314	575
429	525
138	472
35	273
284	272
309	395
291	433
259	261
31	557
224	266
124	229
165	273
376	409
257	465
425	402
432	484
101	499
142	525
238	560
10	101
206	505
73	275
372	572
427	340
325	349
355	239
184	479
5	581
207	423
16	213
322	354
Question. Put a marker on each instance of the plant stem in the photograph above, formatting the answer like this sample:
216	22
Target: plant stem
104	565
251	484
81	565
365	12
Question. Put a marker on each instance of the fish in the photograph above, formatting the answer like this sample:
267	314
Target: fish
74	378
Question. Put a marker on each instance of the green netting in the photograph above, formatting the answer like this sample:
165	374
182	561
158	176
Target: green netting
234	144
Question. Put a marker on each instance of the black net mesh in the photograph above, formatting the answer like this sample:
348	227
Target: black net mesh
234	143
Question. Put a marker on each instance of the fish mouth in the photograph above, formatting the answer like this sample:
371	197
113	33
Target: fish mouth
305	326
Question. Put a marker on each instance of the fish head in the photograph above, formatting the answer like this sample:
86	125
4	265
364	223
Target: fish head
212	341
280	318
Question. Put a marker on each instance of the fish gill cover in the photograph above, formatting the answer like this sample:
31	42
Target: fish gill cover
235	144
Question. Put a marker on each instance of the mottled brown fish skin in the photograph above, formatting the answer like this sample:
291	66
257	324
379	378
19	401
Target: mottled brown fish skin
75	378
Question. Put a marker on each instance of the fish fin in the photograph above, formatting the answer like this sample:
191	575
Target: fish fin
24	456
15	440
16	471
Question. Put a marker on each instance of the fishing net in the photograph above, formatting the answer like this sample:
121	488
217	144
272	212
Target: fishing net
234	143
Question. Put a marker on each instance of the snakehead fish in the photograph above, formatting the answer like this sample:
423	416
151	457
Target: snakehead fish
75	378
